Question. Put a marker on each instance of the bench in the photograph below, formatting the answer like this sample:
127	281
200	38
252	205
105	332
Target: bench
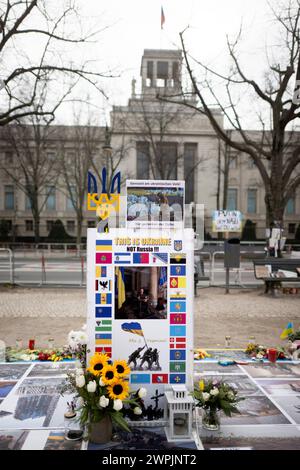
274	271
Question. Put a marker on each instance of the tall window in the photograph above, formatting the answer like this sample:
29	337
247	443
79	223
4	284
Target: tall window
9	157
167	160
142	160
189	171
290	207
51	198
252	201
233	162
9	197
162	73
232	199
70	205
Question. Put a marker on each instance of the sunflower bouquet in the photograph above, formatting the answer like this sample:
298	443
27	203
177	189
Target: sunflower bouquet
102	390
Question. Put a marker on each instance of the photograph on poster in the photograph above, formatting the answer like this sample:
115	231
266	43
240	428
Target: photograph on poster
12	440
6	387
34	403
11	371
256	410
154	203
142	345
291	405
141	292
144	438
211	368
51	369
267	370
56	441
242	383
249	443
278	387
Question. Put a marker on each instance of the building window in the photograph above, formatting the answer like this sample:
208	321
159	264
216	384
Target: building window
251	163
142	161
290	207
51	198
49	225
167	160
189	171
9	197
232	199
8	224
71	200
252	201
29	225
91	224
175	71
9	158
232	162
292	229
51	156
162	73
149	79
70	226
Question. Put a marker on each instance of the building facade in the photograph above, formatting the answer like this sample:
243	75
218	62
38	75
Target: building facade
151	138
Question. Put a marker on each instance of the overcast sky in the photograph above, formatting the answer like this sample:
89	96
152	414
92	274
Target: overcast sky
134	25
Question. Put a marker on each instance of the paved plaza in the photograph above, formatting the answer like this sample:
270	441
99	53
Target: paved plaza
47	312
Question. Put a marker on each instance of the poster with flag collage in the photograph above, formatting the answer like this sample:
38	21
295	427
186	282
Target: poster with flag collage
140	294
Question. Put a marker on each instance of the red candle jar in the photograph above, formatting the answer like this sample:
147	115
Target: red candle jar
31	344
272	355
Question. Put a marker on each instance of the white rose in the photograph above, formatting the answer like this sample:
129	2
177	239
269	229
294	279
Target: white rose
214	392
142	393
79	372
91	386
205	396
101	383
82	338
230	395
103	402
118	405
259	356
137	410
80	381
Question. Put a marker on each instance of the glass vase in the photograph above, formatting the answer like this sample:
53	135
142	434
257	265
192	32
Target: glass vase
211	419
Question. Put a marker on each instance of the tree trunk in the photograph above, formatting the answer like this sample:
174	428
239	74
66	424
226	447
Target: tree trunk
79	229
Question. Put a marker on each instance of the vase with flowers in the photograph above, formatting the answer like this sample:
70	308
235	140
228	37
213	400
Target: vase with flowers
213	397
102	390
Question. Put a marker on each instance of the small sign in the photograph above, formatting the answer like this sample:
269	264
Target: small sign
227	221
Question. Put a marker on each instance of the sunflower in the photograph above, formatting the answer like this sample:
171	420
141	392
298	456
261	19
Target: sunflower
97	362
119	389
122	368
109	374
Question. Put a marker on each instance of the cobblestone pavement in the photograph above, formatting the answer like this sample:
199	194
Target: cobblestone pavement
44	313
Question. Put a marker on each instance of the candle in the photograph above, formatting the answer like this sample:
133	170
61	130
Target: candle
272	355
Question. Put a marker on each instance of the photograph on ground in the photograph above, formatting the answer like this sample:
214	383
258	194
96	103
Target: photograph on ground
141	293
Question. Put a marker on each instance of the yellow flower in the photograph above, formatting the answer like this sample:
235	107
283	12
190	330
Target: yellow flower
118	390
97	362
122	368
109	375
201	385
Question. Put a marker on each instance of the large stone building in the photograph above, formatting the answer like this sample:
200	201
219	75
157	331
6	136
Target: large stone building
150	138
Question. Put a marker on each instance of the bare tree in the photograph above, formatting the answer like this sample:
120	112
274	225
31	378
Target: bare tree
34	172
34	40
153	125
275	152
76	162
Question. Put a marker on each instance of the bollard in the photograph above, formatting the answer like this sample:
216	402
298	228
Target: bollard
43	269
82	271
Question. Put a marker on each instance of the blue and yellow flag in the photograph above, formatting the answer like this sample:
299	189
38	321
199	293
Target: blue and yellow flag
133	327
289	330
120	286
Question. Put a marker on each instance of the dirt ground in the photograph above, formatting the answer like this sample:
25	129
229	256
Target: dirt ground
45	313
